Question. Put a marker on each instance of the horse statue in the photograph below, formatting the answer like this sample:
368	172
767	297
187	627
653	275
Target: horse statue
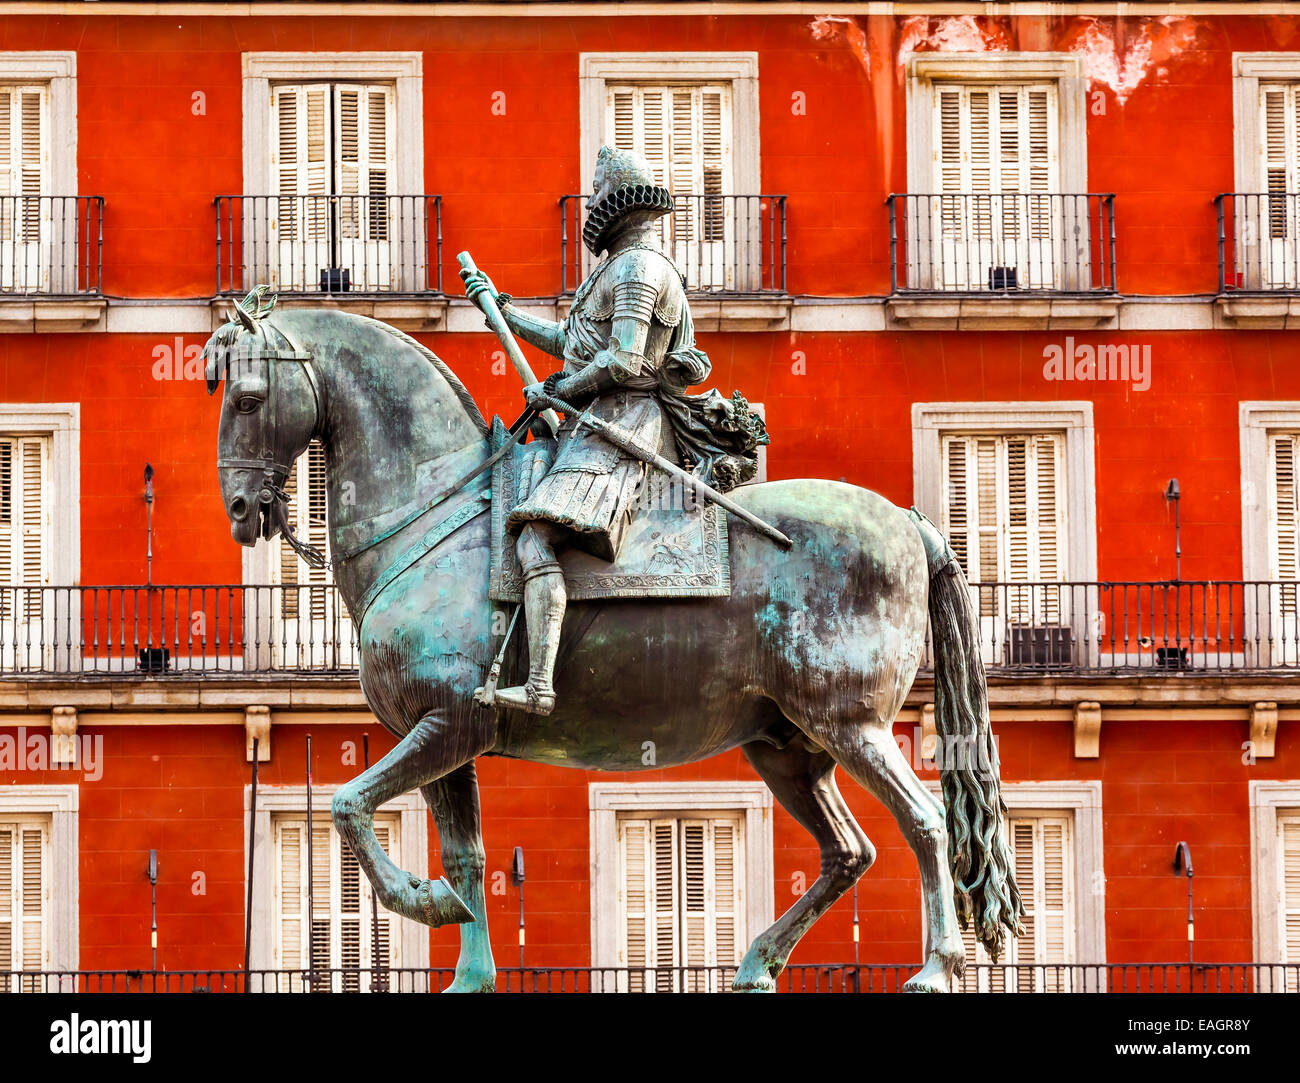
804	665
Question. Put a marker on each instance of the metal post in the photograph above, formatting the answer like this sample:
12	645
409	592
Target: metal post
152	873
148	503
376	982
311	909
252	836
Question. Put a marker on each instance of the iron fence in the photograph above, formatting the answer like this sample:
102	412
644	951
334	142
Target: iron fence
1259	241
330	244
1159	978
1025	629
1002	243
728	244
51	245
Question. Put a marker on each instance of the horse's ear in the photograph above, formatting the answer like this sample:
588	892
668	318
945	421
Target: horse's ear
266	302
245	318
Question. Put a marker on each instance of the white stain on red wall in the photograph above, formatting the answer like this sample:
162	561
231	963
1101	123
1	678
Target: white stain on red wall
1121	59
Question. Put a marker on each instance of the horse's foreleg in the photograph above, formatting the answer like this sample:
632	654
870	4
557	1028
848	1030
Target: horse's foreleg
804	782
433	748
453	800
874	760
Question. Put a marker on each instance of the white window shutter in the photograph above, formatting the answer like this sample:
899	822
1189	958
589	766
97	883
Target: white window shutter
365	159
325	878
24	895
1279	106
1288	881
300	161
290	896
25	530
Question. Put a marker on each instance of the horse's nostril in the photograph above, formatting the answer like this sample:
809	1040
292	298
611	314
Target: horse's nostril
238	508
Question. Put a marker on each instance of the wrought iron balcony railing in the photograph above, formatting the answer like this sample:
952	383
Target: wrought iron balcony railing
1259	242
799	978
51	245
322	244
1124	627
1002	244
724	244
1025	629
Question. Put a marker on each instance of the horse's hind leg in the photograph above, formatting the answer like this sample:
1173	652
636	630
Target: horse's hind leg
804	782
453	800
870	755
434	747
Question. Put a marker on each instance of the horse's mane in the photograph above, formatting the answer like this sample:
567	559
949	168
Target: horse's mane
460	390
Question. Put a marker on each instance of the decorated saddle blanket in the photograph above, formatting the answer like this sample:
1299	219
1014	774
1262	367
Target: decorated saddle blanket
675	546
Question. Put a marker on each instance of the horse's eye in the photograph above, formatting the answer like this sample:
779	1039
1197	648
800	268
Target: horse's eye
248	404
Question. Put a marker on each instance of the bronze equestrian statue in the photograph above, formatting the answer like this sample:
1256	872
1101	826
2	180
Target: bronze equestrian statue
802	662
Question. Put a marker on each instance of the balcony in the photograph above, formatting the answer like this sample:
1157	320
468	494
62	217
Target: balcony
1259	258
51	262
731	249
377	255
1002	260
190	632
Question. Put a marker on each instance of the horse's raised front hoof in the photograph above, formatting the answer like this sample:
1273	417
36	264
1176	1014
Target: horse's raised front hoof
753	976
473	980
934	977
434	903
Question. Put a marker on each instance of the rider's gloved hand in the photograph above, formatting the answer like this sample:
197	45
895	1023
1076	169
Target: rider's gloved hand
477	282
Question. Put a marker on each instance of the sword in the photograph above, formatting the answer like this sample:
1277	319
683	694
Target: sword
497	322
622	439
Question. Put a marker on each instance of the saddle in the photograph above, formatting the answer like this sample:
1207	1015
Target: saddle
669	551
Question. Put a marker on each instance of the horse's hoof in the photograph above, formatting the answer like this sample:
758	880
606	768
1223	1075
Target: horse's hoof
758	985
473	981
754	976
438	904
934	977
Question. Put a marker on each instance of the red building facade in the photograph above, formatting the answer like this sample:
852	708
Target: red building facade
1018	271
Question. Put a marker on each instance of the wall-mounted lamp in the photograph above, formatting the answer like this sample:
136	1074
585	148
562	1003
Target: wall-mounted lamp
517	877
1183	866
151	871
1172	493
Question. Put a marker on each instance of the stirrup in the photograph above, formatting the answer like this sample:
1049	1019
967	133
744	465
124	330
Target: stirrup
526	697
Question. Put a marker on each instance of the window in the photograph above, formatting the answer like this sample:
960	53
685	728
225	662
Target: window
694	116
1284	539
314	628
1011	486
333	152
24	181
24	897
345	939
1043	852
1275	882
682	901
1054	831
38	886
333	176
684	132
337	937
996	175
1287	874
681	877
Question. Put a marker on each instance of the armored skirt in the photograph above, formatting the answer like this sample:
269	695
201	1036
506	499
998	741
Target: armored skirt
592	487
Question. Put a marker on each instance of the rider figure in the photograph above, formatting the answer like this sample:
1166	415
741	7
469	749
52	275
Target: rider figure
629	354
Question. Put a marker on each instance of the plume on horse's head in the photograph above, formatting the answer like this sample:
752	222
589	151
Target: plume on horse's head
244	317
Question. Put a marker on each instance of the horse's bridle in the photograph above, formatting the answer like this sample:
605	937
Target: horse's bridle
272	499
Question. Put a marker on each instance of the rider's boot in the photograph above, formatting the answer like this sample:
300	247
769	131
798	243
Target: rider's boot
544	602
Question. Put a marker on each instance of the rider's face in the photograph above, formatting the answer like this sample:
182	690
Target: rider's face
598	186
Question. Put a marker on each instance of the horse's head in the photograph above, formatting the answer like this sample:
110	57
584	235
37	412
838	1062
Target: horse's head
271	411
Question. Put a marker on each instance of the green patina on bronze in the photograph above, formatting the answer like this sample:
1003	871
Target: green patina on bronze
804	665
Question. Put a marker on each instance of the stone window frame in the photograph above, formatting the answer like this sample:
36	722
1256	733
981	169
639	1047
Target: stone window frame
1064	69
61	422
404	69
273	801
740	69
607	799
1082	798
62	805
1248	71
1257	420
58	71
931	421
1268	797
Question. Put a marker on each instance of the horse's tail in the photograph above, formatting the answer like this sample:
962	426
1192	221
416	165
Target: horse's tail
982	867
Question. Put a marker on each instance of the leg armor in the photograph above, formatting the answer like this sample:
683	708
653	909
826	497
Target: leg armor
544	602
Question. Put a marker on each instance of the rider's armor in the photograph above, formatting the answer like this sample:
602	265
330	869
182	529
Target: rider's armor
628	347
